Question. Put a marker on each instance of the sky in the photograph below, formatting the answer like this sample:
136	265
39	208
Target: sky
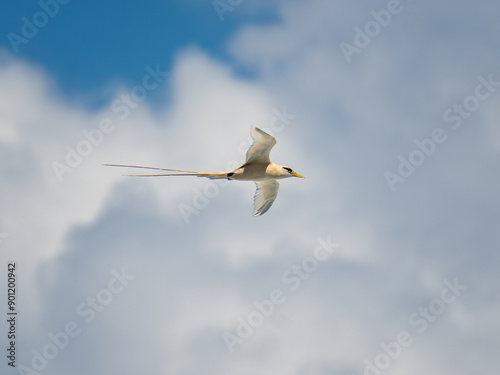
383	260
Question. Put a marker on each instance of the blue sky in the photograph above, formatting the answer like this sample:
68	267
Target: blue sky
104	43
382	261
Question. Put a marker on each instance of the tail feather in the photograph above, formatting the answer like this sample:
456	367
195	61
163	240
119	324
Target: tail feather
158	169
182	172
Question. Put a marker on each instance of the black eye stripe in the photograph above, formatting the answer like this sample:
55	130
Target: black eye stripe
288	169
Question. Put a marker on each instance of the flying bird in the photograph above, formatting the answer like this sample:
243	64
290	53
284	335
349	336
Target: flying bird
257	167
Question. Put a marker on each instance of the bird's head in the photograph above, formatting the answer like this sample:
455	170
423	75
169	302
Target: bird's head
289	172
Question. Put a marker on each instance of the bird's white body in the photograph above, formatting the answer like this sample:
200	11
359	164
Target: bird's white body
257	168
258	172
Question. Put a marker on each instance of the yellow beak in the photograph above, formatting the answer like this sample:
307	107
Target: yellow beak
295	174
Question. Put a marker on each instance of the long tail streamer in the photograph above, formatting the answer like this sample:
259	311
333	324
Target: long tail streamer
181	172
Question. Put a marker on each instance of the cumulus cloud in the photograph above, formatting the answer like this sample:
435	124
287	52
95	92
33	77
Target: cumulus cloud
194	281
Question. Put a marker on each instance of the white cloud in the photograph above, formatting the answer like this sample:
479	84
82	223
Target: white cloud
193	280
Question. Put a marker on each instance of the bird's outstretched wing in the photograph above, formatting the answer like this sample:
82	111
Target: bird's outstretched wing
259	150
266	193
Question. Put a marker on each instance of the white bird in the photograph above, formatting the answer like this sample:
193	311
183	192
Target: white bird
257	167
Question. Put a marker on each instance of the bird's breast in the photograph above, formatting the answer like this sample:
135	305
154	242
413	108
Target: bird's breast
254	172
